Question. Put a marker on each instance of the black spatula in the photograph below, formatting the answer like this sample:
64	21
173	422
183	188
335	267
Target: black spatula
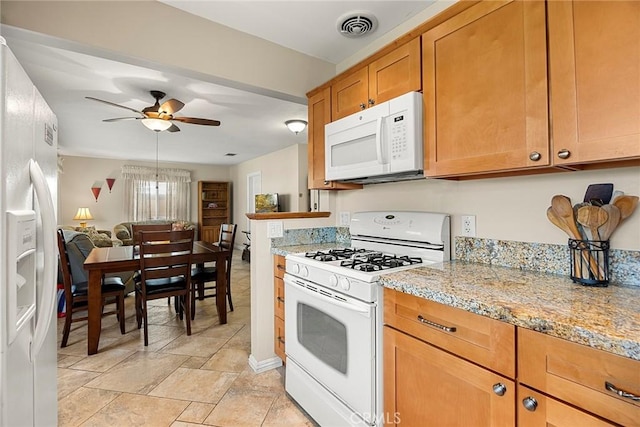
598	194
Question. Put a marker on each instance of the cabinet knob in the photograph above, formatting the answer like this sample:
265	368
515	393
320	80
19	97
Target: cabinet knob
535	156
499	389
564	153
529	403
371	102
362	106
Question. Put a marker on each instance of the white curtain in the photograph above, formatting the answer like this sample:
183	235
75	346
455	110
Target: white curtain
145	201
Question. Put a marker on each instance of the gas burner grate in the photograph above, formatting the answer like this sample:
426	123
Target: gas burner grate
377	261
334	254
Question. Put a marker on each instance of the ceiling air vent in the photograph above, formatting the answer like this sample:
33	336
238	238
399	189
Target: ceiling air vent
357	24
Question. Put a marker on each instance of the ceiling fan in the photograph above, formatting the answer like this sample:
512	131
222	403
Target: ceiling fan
159	117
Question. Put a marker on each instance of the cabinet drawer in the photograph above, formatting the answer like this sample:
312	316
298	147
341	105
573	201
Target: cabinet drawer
279	338
279	297
577	374
551	412
482	340
278	266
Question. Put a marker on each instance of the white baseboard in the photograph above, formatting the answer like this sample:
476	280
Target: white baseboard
264	365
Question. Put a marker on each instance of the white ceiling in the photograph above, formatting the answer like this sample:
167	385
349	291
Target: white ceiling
252	124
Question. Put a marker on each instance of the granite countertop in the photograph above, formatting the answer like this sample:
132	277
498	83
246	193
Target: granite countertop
604	318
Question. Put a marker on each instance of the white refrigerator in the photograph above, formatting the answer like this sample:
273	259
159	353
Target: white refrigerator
28	250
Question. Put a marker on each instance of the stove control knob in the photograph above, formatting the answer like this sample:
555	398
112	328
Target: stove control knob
333	280
304	271
345	284
295	268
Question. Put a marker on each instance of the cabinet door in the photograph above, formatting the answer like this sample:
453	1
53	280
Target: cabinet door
395	73
319	111
543	411
485	90
279	348
279	297
350	94
594	72
426	386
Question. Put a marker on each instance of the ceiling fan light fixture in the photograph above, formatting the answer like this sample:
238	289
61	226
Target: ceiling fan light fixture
296	126
157	125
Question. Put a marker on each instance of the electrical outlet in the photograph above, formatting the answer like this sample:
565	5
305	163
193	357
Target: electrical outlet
469	225
274	229
345	219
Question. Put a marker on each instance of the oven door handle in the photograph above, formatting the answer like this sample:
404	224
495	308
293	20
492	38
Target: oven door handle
351	306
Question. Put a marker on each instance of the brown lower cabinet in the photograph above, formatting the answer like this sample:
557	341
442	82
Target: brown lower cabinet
426	386
278	305
448	367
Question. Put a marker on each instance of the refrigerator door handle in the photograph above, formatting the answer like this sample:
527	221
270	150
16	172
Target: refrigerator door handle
47	302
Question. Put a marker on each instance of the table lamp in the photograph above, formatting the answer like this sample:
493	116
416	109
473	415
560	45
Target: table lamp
83	215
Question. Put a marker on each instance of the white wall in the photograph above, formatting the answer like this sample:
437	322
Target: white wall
506	208
79	173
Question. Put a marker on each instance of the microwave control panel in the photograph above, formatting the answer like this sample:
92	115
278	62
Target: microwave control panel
398	136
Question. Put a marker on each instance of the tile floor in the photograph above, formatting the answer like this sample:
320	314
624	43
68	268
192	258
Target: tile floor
178	380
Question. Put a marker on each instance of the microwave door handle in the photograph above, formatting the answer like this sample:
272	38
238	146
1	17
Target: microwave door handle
379	151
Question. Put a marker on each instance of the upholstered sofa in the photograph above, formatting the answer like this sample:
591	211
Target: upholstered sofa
100	238
123	231
79	245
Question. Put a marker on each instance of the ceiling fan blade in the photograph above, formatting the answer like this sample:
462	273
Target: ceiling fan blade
173	128
117	119
197	121
114	104
171	106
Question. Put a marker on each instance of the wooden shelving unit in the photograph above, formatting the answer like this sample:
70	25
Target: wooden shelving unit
214	208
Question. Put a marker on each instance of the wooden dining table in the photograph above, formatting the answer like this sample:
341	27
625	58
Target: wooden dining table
123	258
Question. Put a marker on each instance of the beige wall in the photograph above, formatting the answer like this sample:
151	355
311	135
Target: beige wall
282	172
79	173
505	208
138	31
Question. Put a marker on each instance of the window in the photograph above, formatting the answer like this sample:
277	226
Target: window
157	193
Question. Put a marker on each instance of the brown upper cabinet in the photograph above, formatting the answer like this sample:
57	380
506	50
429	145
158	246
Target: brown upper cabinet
485	90
594	72
392	75
319	111
490	108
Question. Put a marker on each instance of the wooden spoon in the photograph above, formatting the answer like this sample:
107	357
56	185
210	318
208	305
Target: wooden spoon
612	222
592	217
558	222
626	204
561	205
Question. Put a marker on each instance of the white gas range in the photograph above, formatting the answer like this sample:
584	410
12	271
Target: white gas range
333	312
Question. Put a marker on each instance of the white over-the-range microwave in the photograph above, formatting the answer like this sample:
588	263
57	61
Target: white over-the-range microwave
380	144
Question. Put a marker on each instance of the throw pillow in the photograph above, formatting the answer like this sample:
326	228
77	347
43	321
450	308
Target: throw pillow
177	226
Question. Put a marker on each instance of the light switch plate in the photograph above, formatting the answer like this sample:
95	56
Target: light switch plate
275	229
345	219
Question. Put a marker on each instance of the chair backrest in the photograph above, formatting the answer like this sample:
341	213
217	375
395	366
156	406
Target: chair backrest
227	237
137	228
166	254
65	266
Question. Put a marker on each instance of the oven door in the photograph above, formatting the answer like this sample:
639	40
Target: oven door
332	337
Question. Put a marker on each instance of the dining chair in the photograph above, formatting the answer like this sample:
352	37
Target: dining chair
165	271
76	293
135	236
202	275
